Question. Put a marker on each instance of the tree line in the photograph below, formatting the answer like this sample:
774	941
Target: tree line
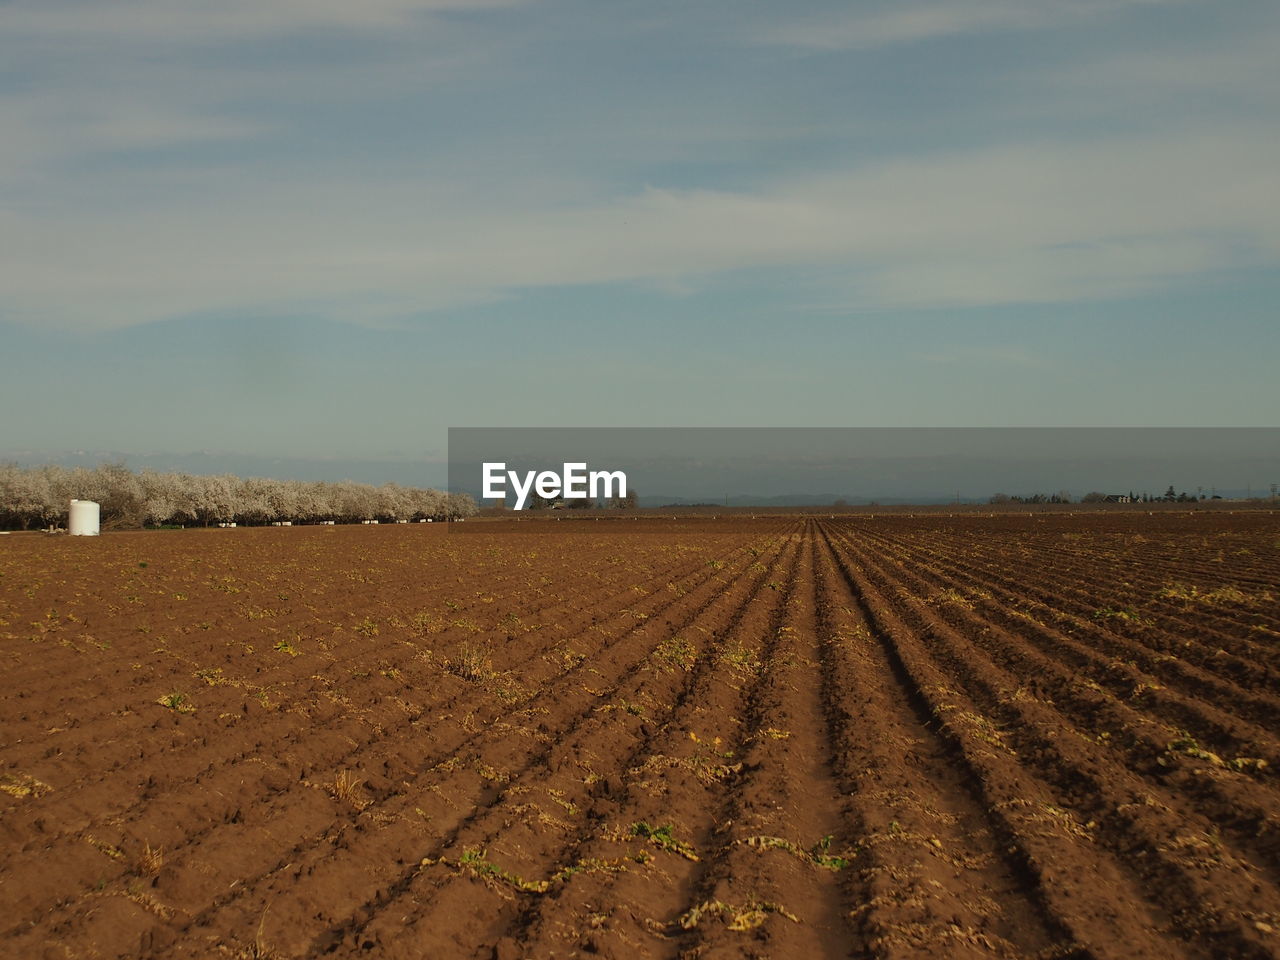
34	497
1170	496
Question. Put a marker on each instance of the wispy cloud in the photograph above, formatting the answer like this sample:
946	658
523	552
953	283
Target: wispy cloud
234	177
130	85
52	125
1244	69
910	21
1044	222
142	20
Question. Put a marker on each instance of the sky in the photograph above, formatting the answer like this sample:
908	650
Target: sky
315	229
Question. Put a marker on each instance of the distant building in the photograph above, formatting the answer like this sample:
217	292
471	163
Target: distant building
1117	498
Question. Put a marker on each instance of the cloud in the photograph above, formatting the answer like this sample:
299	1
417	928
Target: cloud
1051	221
1244	70
1105	269
151	20
378	181
93	86
49	125
910	22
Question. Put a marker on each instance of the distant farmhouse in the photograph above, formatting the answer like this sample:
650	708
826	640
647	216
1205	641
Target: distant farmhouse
1118	498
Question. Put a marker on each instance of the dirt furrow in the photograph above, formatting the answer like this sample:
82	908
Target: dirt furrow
1088	891
79	682
934	872
649	822
1211	895
1220	641
1115	658
483	790
953	592
1036	735
361	656
1186	777
1116	586
193	833
771	885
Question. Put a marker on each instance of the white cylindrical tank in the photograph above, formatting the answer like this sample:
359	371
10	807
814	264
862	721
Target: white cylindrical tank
83	519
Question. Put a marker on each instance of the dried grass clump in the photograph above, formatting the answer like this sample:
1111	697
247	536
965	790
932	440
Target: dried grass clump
150	861
346	789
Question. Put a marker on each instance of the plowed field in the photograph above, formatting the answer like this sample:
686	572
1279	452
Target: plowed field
1030	737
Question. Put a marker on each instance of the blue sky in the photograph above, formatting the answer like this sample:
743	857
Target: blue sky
313	228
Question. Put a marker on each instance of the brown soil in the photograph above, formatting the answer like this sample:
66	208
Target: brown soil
1035	736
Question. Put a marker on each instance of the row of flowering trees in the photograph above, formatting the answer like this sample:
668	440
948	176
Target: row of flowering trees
39	497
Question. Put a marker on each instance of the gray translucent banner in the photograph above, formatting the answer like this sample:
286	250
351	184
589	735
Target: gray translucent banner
814	466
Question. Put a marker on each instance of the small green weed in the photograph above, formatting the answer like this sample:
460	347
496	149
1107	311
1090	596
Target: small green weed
177	702
663	837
